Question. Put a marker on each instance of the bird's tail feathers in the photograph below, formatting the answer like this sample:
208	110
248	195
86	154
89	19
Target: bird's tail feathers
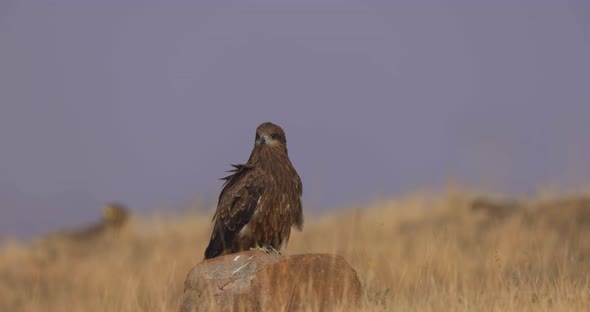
215	248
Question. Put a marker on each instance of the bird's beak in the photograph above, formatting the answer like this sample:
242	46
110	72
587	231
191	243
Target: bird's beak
262	140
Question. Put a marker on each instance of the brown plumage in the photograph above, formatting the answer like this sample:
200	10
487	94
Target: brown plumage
260	201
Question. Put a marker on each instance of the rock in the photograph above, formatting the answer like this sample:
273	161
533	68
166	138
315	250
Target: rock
255	281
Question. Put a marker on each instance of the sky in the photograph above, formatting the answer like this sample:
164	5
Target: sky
149	102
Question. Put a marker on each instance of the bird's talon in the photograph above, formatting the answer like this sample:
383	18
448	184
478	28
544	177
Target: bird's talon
272	250
267	250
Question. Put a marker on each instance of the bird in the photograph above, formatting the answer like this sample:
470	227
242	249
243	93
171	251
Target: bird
260	201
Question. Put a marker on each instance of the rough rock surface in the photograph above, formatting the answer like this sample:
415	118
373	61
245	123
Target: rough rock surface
255	281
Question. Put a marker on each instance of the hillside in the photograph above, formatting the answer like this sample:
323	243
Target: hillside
418	253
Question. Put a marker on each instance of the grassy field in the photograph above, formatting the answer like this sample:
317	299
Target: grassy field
421	252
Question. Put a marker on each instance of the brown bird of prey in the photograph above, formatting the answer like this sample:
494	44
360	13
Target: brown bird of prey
260	201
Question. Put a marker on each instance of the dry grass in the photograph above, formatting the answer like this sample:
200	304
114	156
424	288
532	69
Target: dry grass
419	253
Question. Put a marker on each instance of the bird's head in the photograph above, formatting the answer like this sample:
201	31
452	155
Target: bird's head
269	134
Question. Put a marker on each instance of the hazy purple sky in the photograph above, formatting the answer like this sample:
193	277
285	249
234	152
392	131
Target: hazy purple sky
149	103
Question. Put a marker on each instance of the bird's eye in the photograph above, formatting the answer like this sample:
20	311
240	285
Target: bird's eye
257	137
274	136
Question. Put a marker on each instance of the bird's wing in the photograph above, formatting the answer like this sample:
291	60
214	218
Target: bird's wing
237	202
239	197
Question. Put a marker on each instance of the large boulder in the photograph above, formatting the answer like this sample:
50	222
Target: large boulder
255	281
